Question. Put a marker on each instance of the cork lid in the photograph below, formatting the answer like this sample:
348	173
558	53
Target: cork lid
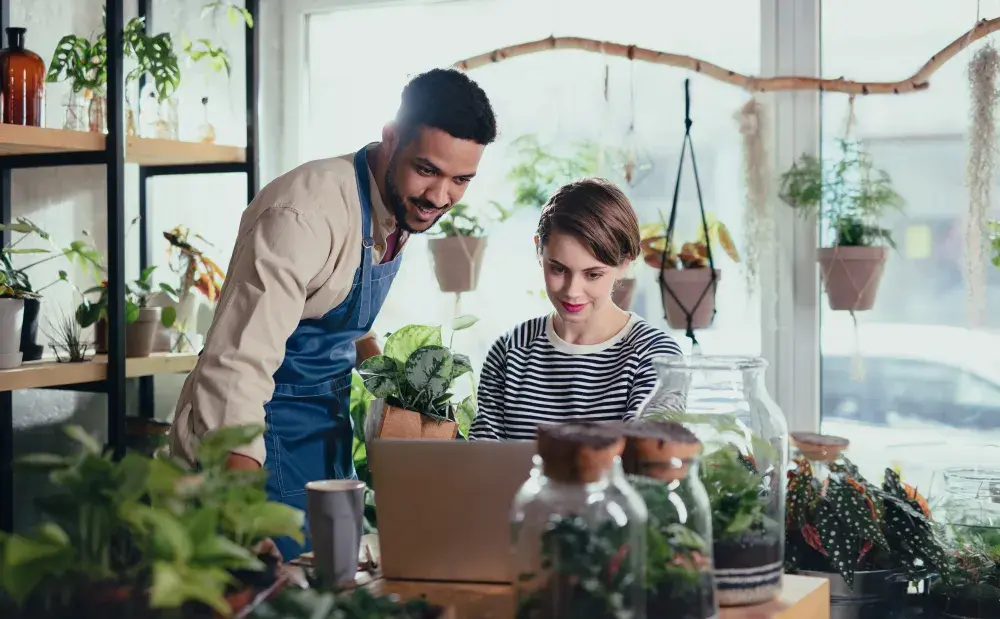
579	452
819	447
659	449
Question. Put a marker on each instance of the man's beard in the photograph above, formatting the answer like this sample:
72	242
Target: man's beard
398	204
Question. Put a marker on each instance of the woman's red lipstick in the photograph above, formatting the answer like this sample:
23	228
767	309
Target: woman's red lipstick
569	307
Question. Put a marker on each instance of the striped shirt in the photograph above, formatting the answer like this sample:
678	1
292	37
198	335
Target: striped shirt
531	376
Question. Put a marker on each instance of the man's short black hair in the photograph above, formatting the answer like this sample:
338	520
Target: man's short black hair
448	100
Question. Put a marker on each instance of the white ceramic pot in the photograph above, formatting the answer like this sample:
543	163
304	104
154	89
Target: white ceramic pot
11	319
10	360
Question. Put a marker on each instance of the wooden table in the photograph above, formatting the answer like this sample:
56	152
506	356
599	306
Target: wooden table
803	597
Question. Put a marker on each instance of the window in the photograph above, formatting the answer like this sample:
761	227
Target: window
559	97
923	369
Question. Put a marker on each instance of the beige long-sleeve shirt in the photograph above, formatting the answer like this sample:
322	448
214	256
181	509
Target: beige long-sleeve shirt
298	248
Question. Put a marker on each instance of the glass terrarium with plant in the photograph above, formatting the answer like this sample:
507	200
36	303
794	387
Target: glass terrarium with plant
852	198
662	463
969	512
578	537
724	401
870	540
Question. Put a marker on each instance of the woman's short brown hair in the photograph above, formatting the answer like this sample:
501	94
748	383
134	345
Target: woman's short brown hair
597	212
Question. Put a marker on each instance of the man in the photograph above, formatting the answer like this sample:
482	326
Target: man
316	253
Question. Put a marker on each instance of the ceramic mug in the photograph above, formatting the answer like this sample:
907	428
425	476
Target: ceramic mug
335	508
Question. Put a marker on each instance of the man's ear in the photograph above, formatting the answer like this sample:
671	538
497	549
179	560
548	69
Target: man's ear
390	137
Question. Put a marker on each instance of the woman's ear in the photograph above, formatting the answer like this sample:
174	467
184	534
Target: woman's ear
538	248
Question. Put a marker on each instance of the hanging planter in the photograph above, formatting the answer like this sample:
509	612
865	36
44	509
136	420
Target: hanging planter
458	252
851	197
412	383
623	293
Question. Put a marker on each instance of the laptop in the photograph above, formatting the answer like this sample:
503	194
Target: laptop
444	507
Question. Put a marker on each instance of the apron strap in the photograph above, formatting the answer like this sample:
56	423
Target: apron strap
365	194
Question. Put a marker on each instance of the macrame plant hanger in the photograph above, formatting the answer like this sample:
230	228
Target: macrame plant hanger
688	145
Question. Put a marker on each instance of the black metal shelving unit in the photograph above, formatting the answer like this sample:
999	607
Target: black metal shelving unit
113	157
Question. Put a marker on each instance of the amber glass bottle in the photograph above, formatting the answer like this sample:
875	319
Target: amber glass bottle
23	88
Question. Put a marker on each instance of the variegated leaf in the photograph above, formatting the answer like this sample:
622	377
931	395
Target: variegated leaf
855	512
380	376
428	371
842	549
460	365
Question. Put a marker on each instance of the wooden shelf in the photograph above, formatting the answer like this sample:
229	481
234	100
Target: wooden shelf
152	152
20	140
38	374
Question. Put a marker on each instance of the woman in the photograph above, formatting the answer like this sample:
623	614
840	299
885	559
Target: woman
588	360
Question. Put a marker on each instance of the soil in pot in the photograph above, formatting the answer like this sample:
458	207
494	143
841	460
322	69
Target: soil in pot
748	569
623	293
141	334
688	286
692	600
458	261
852	275
29	331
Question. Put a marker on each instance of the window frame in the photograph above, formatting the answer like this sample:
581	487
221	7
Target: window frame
789	34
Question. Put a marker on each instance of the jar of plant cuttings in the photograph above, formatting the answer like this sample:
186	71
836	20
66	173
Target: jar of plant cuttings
578	538
661	460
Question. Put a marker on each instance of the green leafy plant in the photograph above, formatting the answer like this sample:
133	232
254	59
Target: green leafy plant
462	221
234	12
204	50
734	489
147	530
993	228
679	580
359	603
136	297
14	282
84	61
851	195
360	400
846	524
417	372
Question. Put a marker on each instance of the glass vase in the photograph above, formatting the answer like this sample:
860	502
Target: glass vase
578	539
23	87
724	401
96	113
76	112
206	131
662	463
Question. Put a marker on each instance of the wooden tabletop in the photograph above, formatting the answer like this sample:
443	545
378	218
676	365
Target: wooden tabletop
802	597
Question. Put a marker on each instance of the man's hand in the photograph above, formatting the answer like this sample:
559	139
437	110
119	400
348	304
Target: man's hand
239	462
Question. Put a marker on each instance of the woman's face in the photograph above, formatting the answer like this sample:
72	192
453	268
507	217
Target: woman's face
576	282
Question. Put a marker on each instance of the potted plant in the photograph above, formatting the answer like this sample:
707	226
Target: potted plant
141	320
197	274
969	586
868	540
134	536
358	603
458	251
851	197
412	383
686	282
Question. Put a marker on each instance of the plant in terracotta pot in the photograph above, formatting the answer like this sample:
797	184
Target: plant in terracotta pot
412	382
133	537
850	196
868	540
458	250
687	283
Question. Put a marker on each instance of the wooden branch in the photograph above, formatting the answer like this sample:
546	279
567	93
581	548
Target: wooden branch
917	82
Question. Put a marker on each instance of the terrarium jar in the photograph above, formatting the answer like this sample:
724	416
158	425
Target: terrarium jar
578	538
97	112
662	463
724	401
23	88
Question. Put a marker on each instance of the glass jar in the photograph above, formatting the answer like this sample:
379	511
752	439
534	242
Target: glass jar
724	401
23	86
578	539
661	460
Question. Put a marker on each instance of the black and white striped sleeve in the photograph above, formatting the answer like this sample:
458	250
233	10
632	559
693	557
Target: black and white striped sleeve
649	343
489	421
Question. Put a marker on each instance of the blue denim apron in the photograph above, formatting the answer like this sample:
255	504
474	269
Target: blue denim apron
309	431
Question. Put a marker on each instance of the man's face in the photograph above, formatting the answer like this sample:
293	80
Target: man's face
428	176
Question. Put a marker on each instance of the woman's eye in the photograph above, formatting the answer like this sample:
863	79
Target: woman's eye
557	270
594	276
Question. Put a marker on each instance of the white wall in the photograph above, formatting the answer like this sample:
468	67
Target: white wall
65	201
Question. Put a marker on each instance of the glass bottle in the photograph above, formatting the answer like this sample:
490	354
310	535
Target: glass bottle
724	401
98	119
206	132
578	539
662	463
23	82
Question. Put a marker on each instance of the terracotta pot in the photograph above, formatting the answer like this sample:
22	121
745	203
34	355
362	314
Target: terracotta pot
688	286
11	320
623	293
852	275
401	423
140	335
457	262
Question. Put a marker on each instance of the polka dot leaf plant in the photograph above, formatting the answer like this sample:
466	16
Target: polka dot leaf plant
845	524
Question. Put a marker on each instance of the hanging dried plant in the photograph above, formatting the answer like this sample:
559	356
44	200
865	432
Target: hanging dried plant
980	169
758	223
